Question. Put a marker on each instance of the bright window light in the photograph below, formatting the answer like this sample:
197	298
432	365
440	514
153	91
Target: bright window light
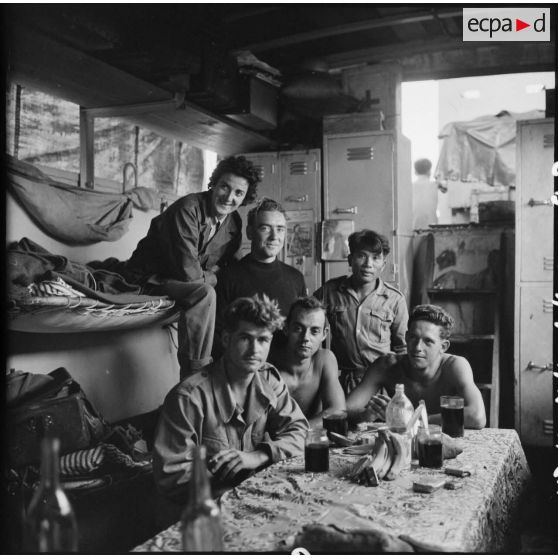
534	88
471	94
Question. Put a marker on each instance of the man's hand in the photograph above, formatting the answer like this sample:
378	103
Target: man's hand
226	464
376	407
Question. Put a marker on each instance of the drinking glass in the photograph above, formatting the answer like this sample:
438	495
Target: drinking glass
430	448
336	421
316	451
453	418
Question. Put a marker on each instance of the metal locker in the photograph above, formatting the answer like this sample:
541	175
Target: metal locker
535	364
300	196
534	265
535	158
367	179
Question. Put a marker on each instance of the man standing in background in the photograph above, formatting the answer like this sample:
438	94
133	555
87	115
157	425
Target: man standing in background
425	196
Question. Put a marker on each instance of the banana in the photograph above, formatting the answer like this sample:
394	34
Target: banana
390	454
384	458
399	456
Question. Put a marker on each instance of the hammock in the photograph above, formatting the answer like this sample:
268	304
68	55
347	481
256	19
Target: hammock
67	314
75	216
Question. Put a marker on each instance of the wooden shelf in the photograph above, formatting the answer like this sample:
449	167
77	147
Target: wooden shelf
467	338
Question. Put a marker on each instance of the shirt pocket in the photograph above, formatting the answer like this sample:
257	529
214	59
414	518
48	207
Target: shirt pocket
337	315
380	324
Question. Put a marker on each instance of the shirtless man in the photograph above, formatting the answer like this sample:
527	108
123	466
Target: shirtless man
426	371
309	371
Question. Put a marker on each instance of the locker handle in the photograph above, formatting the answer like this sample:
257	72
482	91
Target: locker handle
297	199
532	366
532	202
353	210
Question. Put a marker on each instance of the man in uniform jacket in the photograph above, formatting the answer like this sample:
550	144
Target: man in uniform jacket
184	249
367	317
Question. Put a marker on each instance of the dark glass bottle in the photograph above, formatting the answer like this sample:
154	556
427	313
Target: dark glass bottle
201	518
50	524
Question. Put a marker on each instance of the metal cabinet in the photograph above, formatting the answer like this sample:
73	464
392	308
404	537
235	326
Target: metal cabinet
533	290
293	178
367	180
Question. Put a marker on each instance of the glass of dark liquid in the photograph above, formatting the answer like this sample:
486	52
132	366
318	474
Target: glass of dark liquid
430	449
453	419
336	421
316	451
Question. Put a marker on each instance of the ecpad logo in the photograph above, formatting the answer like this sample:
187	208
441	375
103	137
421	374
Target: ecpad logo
506	24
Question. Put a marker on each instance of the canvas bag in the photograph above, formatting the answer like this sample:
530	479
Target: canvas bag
48	404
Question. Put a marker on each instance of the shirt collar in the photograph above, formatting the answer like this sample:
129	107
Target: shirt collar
380	290
260	393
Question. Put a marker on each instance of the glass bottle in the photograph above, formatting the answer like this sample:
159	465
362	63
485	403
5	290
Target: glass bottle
201	518
50	524
399	410
398	414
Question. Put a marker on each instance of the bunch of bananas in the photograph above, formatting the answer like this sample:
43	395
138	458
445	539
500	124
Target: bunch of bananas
384	462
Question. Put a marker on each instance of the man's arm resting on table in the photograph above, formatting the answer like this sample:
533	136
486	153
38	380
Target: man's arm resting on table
464	383
358	409
330	390
286	425
228	463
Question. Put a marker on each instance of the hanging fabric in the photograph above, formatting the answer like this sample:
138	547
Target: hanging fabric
75	216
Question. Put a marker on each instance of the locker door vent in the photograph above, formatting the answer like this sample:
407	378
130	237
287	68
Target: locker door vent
548	427
298	168
360	153
548	140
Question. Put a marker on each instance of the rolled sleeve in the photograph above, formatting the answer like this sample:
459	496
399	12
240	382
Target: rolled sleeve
286	427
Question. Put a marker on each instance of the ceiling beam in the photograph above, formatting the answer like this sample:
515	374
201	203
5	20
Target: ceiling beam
39	62
348	28
444	57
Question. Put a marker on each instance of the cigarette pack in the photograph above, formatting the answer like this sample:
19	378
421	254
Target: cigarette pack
428	484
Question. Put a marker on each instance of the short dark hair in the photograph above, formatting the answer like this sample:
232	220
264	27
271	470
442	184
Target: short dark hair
368	240
306	303
266	204
435	315
423	166
240	166
259	310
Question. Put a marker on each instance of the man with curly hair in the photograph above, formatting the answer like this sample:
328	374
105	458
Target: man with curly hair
185	247
238	407
426	371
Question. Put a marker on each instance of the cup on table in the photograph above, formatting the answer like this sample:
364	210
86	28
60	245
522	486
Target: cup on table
429	446
336	421
453	418
316	451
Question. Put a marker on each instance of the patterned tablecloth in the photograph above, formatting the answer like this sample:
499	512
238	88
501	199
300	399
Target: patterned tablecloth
266	511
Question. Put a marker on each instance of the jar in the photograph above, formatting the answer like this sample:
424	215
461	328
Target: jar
316	451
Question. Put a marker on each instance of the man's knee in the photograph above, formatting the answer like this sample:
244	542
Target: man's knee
201	295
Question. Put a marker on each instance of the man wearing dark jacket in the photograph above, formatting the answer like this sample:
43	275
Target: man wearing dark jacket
186	246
